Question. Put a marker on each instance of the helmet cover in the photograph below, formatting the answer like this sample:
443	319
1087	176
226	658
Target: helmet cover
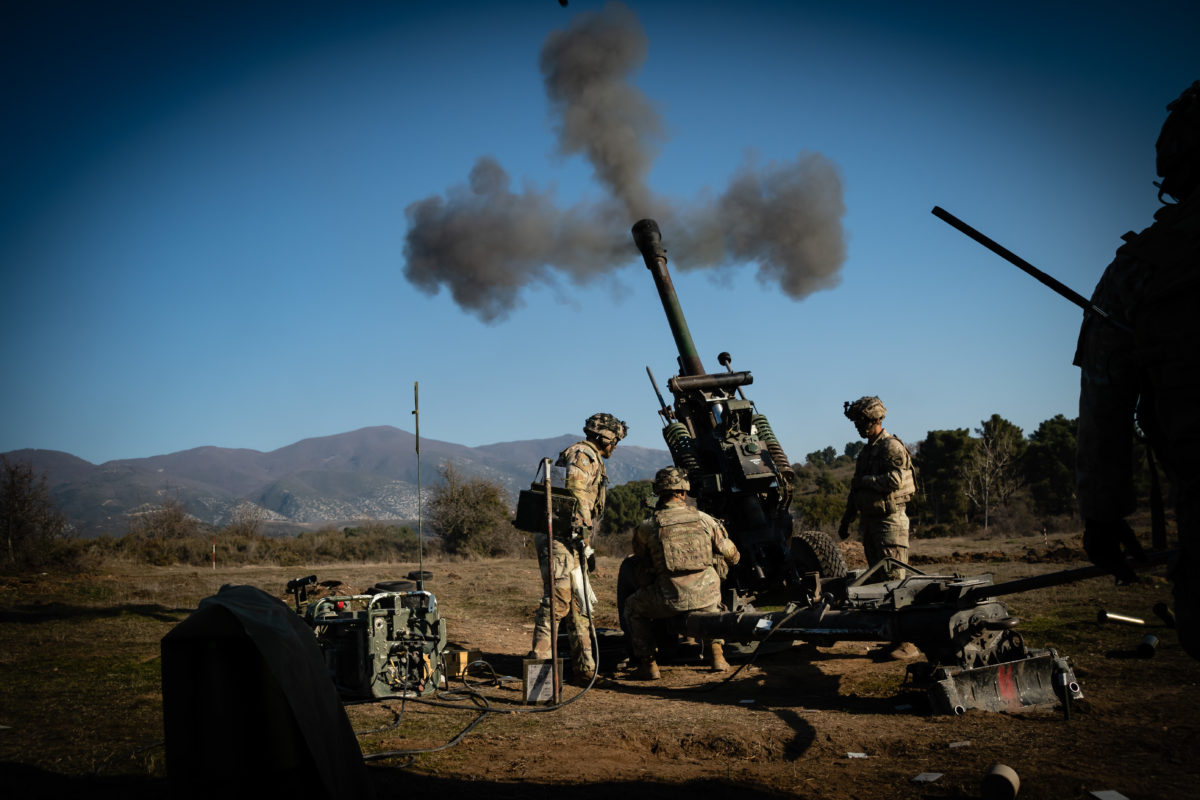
671	479
865	409
605	427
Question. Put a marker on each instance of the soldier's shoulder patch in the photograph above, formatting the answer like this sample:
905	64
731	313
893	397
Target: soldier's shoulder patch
582	454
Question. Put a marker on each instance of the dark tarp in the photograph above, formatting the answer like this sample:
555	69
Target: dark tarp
249	707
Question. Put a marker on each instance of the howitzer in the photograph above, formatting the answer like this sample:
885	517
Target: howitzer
737	468
976	657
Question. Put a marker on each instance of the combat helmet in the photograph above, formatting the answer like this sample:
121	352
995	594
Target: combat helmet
671	479
605	427
865	409
1177	150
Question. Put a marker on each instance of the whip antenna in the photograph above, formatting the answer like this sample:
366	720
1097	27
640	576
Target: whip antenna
420	532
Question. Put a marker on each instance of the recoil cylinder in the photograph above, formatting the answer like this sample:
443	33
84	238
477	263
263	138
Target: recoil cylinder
682	446
763	428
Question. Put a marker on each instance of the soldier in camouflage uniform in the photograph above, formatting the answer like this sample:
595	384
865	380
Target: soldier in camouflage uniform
882	484
1145	362
566	556
682	545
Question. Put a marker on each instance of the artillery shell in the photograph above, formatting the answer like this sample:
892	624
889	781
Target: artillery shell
1000	783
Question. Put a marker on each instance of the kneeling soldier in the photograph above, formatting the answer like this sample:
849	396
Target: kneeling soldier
680	544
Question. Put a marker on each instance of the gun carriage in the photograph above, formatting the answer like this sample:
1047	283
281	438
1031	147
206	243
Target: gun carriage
739	473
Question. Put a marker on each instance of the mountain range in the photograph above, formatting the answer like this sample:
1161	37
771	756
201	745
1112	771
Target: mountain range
367	474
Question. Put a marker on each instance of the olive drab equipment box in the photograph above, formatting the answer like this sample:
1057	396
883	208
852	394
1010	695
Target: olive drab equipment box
531	508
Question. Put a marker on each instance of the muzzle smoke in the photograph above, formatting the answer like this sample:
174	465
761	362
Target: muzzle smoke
485	242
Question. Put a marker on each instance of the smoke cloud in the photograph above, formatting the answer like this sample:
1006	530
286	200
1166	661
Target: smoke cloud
485	242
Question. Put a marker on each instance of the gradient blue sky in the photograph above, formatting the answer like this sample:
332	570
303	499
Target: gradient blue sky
203	219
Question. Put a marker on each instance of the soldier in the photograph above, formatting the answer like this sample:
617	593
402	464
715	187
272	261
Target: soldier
1144	363
882	484
586	480
680	545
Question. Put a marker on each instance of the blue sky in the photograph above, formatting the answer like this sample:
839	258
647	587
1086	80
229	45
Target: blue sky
203	229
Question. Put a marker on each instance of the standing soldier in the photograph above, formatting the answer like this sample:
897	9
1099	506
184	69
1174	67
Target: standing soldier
681	545
586	480
882	484
1144	362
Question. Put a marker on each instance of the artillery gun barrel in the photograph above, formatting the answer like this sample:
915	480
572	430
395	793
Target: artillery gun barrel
649	242
1029	269
1058	578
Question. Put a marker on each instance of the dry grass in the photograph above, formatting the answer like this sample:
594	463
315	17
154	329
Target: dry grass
81	698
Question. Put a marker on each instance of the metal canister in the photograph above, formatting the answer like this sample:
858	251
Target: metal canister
1000	782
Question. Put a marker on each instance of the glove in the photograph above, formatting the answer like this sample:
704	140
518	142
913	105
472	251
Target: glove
1108	544
591	563
844	530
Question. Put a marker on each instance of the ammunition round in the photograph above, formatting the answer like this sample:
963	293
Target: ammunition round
1108	616
1000	783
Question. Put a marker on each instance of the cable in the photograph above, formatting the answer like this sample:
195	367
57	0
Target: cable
480	701
396	717
708	687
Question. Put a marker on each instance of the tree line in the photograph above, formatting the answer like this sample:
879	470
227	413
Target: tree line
469	518
995	479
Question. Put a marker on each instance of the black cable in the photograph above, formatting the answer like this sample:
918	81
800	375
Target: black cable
396	717
481	701
708	687
484	709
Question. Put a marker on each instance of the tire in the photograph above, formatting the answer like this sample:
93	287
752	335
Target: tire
816	551
392	586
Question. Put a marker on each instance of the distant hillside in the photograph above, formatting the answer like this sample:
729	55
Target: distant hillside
365	474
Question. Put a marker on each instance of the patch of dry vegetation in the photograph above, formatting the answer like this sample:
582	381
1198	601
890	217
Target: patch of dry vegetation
81	698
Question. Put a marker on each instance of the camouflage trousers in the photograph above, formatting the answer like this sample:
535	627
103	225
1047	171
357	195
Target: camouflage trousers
885	537
641	609
568	587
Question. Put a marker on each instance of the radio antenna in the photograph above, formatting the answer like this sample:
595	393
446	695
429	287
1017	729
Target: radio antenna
420	531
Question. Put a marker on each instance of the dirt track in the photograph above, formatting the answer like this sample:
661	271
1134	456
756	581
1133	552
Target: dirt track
782	726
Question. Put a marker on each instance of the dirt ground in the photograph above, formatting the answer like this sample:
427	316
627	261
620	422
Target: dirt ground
798	721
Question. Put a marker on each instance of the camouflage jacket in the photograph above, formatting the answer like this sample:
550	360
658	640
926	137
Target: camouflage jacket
883	477
1152	368
586	479
683	544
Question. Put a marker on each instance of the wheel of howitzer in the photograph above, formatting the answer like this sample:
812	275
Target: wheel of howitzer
815	551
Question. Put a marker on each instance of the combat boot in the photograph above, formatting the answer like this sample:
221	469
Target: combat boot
583	673
647	670
541	645
716	659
